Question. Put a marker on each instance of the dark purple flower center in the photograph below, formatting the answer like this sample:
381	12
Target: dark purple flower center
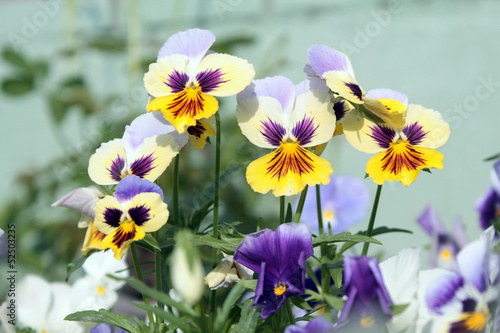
304	131
142	166
355	90
177	81
414	133
383	135
210	79
273	132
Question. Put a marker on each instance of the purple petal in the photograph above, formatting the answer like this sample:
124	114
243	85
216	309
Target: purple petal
210	79
355	90
459	235
193	43
130	186
304	131
139	214
311	84
101	328
429	220
256	248
383	135
264	293
473	261
340	108
82	199
148	125
316	325
177	81
142	166
115	170
291	240
388	93
112	217
324	59
442	291
273	132
414	133
278	87
1	232
488	206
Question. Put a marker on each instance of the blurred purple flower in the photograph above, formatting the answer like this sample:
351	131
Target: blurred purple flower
104	328
344	203
316	325
488	207
368	301
279	258
445	246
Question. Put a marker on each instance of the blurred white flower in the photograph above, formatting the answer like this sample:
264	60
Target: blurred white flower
227	273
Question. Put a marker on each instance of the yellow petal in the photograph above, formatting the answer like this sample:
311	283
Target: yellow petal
392	112
199	133
288	170
120	239
184	108
402	162
93	239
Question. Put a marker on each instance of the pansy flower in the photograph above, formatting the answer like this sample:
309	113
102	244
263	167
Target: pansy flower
467	301
187	77
445	246
316	325
273	113
136	207
488	205
146	149
401	151
368	301
344	202
279	257
335	68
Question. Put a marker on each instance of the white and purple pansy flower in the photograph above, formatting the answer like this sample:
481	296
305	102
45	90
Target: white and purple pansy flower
279	258
467	301
368	301
136	207
335	68
274	113
344	203
401	151
146	149
445	246
187	77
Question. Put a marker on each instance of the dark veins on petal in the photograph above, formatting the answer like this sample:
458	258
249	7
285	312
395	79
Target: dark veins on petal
286	160
187	104
408	158
139	214
273	132
197	130
414	133
339	109
304	131
383	135
112	217
177	81
142	166
116	168
355	90
210	79
122	236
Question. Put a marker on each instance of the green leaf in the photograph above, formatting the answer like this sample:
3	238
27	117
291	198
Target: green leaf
335	302
342	237
250	316
249	284
336	275
427	170
492	158
151	241
19	85
289	213
179	322
377	231
159	296
200	214
234	295
227	246
398	308
58	107
15	58
300	303
104	316
107	43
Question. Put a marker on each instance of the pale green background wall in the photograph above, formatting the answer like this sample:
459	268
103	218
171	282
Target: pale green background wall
437	52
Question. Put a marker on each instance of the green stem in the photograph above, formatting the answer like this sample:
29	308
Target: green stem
175	190
282	209
325	273
158	268
289	312
369	232
138	271
215	224
300	206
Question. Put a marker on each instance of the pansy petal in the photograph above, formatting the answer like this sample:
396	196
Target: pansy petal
256	248
344	85
365	135
152	157
388	94
199	133
148	211
223	75
106	165
93	239
120	239
436	130
324	59
262	121
442	290
313	118
33	301
473	261
430	221
148	125
391	111
185	107
278	87
131	186
168	75
402	163
292	239
287	171
193	43
82	199
108	214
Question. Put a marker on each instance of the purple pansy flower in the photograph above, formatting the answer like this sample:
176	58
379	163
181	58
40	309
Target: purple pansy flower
445	246
344	202
104	328
316	325
488	207
279	258
368	301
